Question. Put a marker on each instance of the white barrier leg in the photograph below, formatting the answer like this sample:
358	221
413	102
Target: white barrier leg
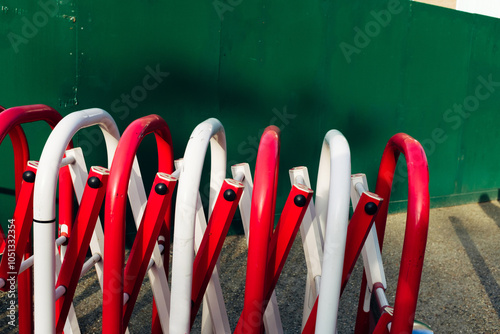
372	258
312	243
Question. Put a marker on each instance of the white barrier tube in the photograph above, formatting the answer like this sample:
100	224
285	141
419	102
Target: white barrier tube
210	131
67	161
26	264
90	263
60	291
44	207
152	261
29	261
333	204
126	297
60	241
381	298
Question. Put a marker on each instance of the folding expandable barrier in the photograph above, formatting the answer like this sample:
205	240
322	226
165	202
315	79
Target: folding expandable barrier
332	243
121	286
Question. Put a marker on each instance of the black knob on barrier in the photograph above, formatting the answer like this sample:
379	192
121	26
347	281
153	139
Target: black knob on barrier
161	189
370	208
229	195
300	200
29	176
94	182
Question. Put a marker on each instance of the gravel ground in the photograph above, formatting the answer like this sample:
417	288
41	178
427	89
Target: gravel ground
460	290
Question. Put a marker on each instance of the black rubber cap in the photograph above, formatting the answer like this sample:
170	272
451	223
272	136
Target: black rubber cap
370	208
161	189
94	182
29	176
229	195
300	200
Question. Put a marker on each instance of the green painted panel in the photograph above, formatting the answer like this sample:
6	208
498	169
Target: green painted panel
369	70
481	105
436	76
38	46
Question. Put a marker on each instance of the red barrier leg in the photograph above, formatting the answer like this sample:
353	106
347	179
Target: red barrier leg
284	235
358	230
145	239
65	202
213	238
69	275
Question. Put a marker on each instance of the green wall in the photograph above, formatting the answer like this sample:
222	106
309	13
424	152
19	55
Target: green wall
303	66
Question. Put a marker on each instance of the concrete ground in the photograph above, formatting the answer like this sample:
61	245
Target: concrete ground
460	291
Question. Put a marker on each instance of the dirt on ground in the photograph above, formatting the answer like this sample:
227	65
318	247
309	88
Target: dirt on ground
459	293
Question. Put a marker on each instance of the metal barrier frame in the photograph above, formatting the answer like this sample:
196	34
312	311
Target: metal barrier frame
10	123
415	239
124	170
333	191
210	131
241	172
44	216
324	231
268	249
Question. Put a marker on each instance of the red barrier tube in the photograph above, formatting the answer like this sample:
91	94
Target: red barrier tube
261	227
10	121
417	221
115	205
